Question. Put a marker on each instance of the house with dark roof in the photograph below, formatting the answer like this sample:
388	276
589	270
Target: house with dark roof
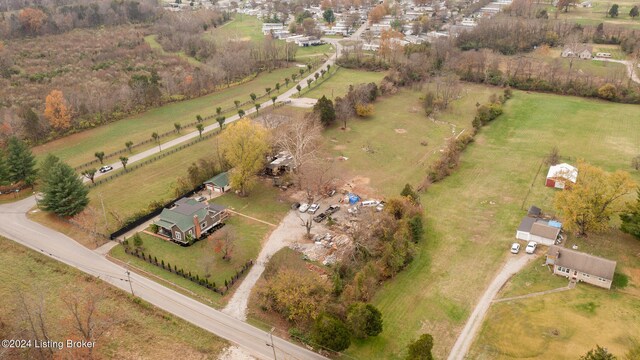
218	183
190	220
539	230
580	266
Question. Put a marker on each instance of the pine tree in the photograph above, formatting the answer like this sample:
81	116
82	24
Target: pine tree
21	162
64	192
4	171
45	167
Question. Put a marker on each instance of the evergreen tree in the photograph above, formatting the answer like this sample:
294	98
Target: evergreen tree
599	353
64	192
613	12
45	167
408	191
31	123
364	320
331	333
21	162
420	349
4	171
324	108
631	219
634	12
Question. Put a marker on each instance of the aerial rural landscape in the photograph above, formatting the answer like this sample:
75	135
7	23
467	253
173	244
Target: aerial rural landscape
320	179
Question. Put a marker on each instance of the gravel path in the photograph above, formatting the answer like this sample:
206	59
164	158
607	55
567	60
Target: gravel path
465	339
288	231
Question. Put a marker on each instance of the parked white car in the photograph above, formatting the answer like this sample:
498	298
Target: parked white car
515	248
304	207
531	247
313	208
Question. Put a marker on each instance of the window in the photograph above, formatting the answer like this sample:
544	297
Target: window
178	235
560	268
203	225
566	270
585	275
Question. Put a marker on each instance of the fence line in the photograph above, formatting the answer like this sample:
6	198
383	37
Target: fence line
167	133
149	160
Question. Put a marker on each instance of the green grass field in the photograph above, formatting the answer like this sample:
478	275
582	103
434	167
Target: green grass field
79	148
598	14
263	202
471	216
559	326
241	28
154	44
338	84
200	258
140	330
134	190
395	133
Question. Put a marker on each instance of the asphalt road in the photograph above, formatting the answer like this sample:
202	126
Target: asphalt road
194	134
15	226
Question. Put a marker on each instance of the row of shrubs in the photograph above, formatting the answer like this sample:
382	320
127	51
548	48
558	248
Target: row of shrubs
450	157
211	285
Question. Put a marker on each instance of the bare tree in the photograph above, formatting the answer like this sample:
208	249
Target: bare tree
224	242
315	179
300	137
33	313
86	316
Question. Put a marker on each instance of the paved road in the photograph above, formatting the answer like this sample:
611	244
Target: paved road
15	225
470	330
194	134
629	64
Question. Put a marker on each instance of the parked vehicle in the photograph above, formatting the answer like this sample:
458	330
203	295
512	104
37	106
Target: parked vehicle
380	206
332	209
295	206
313	208
531	247
331	193
201	199
515	248
106	168
370	203
303	208
320	217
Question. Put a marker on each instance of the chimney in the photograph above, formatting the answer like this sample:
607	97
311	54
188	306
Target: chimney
197	226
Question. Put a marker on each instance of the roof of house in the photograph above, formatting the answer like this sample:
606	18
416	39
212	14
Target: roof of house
586	263
564	171
540	228
534	211
182	214
526	223
221	180
578	48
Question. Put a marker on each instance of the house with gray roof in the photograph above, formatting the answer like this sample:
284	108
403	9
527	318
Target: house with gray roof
189	220
539	230
580	266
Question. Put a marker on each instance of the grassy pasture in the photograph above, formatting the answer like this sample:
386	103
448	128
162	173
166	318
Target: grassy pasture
598	13
36	275
472	215
338	84
79	148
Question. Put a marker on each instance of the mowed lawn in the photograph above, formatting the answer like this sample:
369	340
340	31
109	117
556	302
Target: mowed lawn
338	84
386	150
241	28
79	148
156	181
201	258
472	215
139	330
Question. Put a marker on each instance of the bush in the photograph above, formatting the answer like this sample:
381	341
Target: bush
331	333
620	281
420	349
364	320
154	228
364	110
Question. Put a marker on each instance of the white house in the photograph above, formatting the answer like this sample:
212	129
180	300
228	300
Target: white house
579	266
538	230
561	175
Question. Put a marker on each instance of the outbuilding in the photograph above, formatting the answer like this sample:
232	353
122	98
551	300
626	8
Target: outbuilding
561	176
218	183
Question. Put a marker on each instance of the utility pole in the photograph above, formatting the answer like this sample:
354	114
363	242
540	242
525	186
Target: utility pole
272	346
129	279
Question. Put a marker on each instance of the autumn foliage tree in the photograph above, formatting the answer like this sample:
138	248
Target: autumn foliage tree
245	145
32	20
588	205
56	111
